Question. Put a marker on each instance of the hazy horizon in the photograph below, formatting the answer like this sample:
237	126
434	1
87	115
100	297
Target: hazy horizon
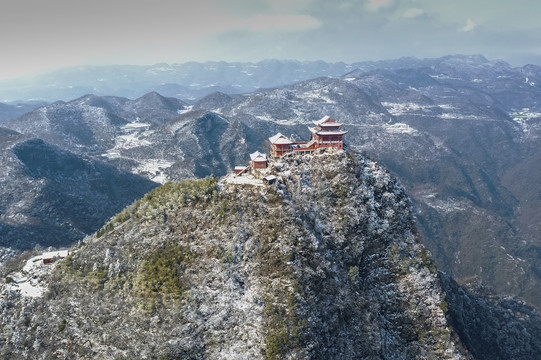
39	36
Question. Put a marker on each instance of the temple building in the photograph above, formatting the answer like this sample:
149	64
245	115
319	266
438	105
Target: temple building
326	133
280	145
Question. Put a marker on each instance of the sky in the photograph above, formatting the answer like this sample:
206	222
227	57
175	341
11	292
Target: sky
41	35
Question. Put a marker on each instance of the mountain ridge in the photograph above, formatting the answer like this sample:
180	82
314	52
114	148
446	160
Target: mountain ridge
193	80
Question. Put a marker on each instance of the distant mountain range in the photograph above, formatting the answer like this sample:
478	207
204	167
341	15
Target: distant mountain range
12	111
461	133
193	80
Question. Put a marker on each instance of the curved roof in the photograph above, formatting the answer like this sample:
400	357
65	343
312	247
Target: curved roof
257	156
323	120
280	139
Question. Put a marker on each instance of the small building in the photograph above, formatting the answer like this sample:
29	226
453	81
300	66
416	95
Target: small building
239	170
325	134
269	180
50	257
258	160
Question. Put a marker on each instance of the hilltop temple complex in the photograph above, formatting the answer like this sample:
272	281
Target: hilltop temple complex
326	133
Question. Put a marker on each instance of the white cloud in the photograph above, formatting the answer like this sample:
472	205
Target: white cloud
375	5
413	13
469	26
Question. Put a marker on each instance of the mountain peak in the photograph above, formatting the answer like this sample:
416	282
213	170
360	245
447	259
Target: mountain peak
325	263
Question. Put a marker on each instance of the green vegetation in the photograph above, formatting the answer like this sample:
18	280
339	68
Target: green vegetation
353	273
62	325
165	201
161	273
96	279
285	328
427	261
444	307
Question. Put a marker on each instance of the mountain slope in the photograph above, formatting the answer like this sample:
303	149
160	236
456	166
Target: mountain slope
461	132
325	265
13	111
53	197
228	271
92	124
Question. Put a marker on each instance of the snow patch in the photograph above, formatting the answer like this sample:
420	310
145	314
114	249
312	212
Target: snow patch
185	110
27	281
400	128
404	108
155	168
242	180
524	119
317	95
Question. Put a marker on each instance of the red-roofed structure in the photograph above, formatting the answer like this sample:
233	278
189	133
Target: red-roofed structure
280	145
326	133
258	160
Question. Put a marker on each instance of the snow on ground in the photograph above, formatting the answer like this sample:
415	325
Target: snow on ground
449	205
135	126
28	280
459	116
155	168
447	107
130	141
265	117
185	110
242	180
444	76
523	117
404	108
527	81
317	95
399	128
130	138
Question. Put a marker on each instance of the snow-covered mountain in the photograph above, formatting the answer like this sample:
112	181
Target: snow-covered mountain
193	80
325	264
461	132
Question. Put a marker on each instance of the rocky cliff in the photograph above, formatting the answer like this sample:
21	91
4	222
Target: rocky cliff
326	264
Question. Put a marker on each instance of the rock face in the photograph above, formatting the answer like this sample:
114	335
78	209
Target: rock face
493	327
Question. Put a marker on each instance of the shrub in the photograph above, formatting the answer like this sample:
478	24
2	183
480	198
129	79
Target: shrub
161	273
